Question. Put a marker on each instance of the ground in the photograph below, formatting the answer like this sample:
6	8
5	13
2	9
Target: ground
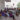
9	18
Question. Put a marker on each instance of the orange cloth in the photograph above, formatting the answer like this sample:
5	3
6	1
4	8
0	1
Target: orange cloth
0	14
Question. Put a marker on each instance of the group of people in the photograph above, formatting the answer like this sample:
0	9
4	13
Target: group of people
6	13
11	15
3	13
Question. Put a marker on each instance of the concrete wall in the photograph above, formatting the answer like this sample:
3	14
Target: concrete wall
2	5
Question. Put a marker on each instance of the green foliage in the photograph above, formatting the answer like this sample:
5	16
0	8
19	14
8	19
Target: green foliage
18	5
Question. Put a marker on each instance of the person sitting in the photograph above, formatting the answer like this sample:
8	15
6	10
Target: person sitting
10	14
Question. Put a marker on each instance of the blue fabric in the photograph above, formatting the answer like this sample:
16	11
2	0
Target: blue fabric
3	14
7	12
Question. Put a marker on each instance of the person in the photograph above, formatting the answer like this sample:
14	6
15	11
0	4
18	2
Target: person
10	14
0	15
13	17
1	10
17	12
13	14
3	14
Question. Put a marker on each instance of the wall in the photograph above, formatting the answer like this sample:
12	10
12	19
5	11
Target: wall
2	5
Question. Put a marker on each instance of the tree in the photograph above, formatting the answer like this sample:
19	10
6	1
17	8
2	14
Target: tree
18	5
